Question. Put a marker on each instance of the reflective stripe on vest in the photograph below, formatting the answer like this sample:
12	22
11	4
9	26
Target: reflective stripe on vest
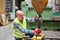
18	33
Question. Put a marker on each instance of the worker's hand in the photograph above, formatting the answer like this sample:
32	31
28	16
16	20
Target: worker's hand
36	17
33	31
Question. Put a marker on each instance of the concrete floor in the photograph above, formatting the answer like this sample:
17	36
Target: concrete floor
6	32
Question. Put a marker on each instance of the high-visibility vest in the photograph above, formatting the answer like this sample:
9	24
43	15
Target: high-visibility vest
17	33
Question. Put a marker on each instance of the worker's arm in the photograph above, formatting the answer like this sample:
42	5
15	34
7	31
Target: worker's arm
22	29
30	19
33	19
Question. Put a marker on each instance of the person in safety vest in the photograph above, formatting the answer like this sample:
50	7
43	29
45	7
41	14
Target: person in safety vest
19	26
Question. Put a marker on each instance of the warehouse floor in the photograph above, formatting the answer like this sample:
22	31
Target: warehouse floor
6	33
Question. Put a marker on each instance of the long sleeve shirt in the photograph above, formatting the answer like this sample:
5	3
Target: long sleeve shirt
22	29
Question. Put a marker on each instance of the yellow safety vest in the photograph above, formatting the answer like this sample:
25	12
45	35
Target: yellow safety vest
17	33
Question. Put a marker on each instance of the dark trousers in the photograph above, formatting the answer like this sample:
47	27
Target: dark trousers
18	38
30	35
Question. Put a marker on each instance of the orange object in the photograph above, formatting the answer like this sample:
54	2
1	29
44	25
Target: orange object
39	5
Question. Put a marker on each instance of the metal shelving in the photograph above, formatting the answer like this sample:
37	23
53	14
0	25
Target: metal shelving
56	14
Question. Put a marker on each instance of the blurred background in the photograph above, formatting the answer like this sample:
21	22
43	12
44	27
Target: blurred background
50	16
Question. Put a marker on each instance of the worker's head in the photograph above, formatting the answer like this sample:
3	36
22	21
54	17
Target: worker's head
20	15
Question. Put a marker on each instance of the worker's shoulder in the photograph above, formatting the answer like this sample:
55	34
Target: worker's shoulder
15	19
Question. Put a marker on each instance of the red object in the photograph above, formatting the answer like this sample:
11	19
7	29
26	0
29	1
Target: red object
37	31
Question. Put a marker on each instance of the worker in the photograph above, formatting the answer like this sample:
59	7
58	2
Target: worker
19	26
